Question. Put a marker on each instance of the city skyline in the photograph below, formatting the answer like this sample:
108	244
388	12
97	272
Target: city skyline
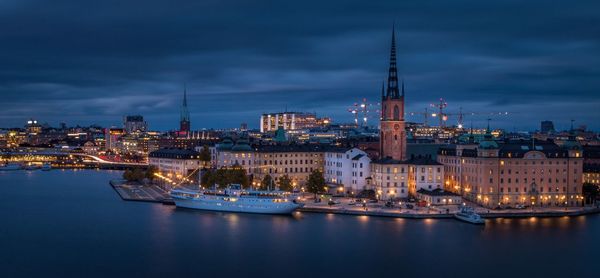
113	63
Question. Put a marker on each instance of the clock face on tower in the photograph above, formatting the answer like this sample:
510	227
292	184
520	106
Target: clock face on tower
396	126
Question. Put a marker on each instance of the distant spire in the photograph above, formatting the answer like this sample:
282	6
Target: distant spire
488	126
184	95
402	86
392	89
185	113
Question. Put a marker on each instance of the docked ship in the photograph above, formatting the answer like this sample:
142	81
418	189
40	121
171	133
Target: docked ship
234	199
11	167
468	214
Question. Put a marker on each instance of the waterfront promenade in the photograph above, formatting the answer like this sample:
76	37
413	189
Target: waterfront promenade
155	194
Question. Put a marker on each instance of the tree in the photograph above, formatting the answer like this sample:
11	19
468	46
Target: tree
151	171
237	175
205	155
138	175
590	192
127	175
266	183
285	183
316	182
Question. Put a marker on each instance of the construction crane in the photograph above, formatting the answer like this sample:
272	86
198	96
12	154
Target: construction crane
425	115
364	110
441	116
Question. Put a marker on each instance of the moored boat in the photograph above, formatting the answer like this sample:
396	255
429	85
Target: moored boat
46	167
11	167
468	214
234	199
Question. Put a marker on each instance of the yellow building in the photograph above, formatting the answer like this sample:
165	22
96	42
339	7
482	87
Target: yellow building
510	173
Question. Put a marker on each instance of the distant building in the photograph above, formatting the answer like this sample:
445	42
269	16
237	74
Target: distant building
112	136
291	121
135	123
547	127
32	127
392	179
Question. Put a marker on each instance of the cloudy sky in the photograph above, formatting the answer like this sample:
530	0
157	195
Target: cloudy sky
84	62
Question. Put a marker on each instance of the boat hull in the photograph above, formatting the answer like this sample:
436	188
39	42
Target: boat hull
244	207
470	220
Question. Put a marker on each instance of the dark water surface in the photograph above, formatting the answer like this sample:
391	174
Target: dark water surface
72	224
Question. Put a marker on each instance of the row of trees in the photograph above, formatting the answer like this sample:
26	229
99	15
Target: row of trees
140	175
225	176
237	175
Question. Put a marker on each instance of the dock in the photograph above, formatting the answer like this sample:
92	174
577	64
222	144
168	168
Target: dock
141	193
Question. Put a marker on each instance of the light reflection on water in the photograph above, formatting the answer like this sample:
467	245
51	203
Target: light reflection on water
45	212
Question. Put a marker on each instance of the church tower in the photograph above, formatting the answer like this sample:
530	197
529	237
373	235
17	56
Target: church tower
392	138
184	122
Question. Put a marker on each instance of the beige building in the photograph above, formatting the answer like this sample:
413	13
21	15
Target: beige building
175	164
502	174
393	179
296	161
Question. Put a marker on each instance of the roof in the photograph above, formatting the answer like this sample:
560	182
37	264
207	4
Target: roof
436	192
591	168
412	161
175	154
357	157
294	148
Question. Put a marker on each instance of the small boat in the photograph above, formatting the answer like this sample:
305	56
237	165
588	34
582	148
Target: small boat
46	167
468	214
11	167
235	199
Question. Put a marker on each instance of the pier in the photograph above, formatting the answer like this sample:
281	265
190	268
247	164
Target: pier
141	193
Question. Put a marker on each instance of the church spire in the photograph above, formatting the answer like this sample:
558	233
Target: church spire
402	86
392	89
184	122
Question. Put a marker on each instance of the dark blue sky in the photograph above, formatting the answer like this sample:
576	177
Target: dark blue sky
85	62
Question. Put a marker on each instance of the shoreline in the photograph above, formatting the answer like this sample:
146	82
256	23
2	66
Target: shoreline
154	194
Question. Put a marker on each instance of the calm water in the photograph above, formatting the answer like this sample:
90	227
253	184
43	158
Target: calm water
72	224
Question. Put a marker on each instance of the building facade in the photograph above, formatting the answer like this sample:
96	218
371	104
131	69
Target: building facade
349	170
291	121
502	174
175	164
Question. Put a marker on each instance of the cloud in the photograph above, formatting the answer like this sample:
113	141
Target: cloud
95	62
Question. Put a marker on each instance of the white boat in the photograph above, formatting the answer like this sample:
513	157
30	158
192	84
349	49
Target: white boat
10	167
234	199
468	214
32	167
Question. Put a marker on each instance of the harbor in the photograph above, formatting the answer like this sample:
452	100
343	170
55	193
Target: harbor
346	206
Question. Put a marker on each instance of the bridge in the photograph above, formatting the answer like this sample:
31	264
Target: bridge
57	156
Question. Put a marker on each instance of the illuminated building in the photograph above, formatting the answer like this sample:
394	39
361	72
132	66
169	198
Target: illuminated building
134	124
507	173
112	136
32	127
175	164
296	161
291	121
348	169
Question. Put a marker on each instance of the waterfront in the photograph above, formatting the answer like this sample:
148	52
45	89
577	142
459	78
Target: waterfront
72	224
